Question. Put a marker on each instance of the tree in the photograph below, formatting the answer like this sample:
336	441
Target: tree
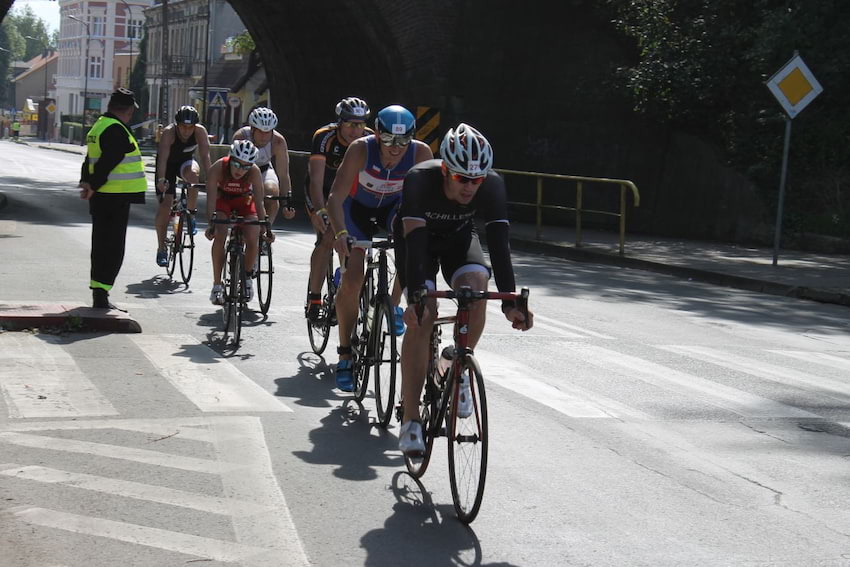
702	66
32	31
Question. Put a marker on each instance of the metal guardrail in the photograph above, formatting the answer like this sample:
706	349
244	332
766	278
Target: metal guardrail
219	150
624	184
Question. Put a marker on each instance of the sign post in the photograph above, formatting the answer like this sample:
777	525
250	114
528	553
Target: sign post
794	86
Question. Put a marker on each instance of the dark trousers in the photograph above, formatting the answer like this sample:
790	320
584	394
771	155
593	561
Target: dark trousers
109	217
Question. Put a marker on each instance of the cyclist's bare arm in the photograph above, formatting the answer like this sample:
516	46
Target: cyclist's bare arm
203	140
316	166
423	152
162	153
352	163
280	151
213	178
256	178
238	135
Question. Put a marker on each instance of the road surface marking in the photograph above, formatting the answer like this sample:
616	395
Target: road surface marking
117	452
560	395
822	358
139	491
714	393
208	381
38	379
795	378
217	550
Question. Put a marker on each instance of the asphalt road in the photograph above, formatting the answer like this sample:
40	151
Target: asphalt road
644	420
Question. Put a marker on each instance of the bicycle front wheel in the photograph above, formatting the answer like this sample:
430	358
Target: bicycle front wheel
232	309
385	356
360	344
186	249
467	433
265	273
171	245
319	330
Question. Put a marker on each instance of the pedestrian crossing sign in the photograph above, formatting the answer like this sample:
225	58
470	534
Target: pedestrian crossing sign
217	101
794	86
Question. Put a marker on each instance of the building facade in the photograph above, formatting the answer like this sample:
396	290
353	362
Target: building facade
91	35
195	30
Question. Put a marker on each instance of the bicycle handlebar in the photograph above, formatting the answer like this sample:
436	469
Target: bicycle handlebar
239	220
466	295
285	200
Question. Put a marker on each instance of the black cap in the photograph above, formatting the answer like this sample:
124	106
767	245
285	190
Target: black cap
123	97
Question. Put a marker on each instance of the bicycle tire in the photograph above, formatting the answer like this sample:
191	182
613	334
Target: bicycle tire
232	300
417	466
360	351
171	247
385	356
468	442
186	249
265	270
320	330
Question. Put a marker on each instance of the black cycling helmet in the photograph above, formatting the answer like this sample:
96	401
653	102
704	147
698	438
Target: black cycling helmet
352	108
187	115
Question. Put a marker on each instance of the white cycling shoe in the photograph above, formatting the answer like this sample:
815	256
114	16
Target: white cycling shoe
410	441
217	295
249	289
464	404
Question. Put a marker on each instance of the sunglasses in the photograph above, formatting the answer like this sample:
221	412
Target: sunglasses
464	179
395	139
240	165
357	125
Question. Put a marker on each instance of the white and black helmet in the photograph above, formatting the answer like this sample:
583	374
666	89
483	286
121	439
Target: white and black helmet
466	151
352	108
244	150
263	118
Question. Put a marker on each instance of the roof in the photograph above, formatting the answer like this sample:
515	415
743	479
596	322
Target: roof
223	74
37	63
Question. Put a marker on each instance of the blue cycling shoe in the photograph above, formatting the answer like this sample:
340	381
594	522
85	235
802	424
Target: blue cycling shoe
162	257
399	324
344	376
193	226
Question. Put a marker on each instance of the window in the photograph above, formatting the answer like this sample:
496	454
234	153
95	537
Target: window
98	26
96	67
134	29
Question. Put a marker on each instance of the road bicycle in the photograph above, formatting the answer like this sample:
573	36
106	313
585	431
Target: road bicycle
466	431
264	270
319	328
235	277
373	345
180	241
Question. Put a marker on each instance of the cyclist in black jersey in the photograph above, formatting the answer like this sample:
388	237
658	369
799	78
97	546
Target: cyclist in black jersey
326	153
436	232
175	158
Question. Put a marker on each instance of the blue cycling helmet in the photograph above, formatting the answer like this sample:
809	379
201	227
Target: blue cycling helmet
396	120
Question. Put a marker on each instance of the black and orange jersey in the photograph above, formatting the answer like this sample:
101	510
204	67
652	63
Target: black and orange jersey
327	143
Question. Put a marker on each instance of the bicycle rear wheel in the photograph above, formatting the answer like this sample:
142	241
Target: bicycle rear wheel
385	354
361	353
468	441
171	247
265	273
186	248
319	330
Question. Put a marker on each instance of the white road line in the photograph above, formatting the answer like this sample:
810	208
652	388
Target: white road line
832	388
208	381
714	393
194	428
242	440
139	491
556	326
117	452
560	395
821	358
42	380
214	549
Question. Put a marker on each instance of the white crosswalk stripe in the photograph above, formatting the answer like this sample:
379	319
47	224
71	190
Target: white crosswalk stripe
39	379
210	382
822	358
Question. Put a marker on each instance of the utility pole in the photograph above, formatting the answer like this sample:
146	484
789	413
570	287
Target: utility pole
163	89
205	120
127	20
86	73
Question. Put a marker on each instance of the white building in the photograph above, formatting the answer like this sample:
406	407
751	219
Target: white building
97	30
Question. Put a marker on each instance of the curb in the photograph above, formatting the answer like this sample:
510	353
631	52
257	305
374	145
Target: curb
58	149
62	318
3	201
695	274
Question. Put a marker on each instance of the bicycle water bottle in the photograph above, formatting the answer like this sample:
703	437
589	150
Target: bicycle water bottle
175	220
445	362
337	277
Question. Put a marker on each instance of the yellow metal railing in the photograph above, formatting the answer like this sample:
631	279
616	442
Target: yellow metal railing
624	184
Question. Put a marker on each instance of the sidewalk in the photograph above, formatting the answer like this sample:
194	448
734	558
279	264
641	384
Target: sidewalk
805	275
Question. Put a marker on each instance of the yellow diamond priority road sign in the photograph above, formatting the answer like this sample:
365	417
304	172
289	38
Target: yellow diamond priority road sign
794	86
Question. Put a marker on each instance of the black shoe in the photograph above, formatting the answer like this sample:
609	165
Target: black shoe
100	300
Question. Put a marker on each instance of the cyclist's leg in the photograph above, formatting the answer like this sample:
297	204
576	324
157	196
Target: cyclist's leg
470	270
319	260
271	188
222	210
190	171
348	298
414	361
163	212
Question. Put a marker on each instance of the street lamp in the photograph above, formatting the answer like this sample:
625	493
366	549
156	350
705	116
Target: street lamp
127	31
86	71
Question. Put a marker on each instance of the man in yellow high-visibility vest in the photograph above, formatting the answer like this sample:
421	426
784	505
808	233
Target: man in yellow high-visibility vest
112	178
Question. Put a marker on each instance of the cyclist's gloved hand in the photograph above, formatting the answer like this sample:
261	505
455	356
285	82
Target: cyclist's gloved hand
342	244
210	232
269	236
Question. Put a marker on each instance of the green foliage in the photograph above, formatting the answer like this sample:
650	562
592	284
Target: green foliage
26	26
244	43
702	66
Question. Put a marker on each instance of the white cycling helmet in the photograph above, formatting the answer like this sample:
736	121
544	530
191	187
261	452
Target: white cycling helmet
263	118
466	151
244	150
